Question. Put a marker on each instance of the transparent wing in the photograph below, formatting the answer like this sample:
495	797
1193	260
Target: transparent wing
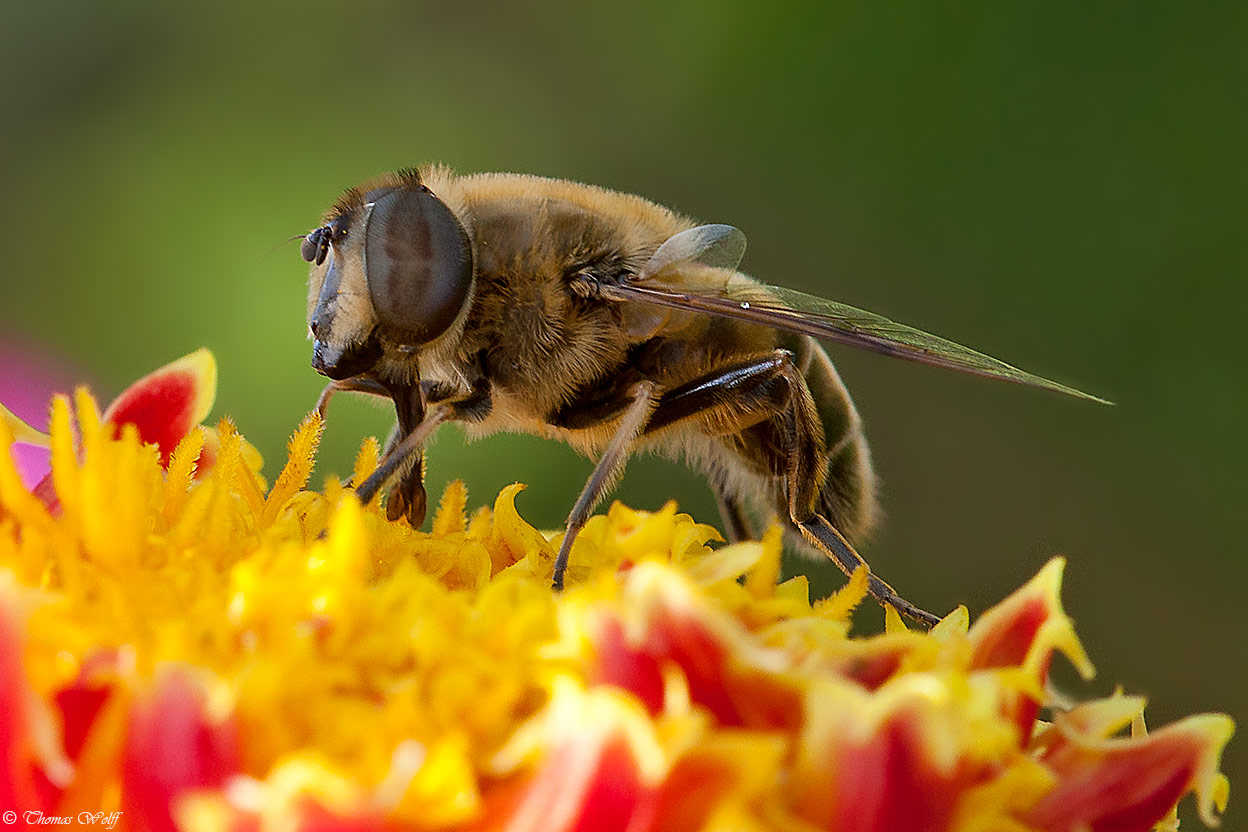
720	246
780	308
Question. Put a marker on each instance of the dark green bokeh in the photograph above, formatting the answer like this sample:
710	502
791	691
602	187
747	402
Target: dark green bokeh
1059	184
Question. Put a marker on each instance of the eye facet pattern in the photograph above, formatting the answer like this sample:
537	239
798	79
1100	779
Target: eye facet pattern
419	265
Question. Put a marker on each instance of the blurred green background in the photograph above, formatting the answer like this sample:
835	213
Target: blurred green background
1060	184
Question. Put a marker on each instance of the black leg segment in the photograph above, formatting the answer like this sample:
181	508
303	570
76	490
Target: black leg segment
609	465
766	398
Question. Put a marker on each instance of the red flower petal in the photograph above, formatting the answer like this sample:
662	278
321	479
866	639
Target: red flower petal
173	746
1024	631
726	671
312	817
79	706
871	766
45	491
17	782
593	785
1128	785
29	760
166	404
737	767
81	703
600	766
623	666
1031	619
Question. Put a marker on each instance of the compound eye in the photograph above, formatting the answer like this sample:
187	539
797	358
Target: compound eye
419	264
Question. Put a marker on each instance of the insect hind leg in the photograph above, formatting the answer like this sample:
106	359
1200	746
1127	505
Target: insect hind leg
766	399
824	535
801	437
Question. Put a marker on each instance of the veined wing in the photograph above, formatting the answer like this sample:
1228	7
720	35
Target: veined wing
787	309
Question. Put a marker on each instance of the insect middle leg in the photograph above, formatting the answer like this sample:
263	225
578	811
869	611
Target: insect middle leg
641	402
407	497
737	526
769	391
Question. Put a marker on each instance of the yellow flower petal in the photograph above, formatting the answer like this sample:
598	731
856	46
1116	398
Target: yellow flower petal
19	431
301	452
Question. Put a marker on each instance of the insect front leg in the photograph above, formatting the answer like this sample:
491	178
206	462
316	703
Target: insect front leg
407	497
768	396
411	500
355	384
433	392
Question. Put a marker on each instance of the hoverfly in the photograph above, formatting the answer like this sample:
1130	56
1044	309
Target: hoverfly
520	303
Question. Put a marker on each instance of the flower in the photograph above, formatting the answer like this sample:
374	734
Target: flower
220	654
163	406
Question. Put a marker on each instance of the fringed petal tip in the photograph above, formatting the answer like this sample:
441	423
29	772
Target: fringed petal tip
1127	784
1209	735
1030	625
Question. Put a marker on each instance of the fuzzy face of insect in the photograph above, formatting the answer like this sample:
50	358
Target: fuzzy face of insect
392	271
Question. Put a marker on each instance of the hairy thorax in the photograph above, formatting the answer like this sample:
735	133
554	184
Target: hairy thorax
539	341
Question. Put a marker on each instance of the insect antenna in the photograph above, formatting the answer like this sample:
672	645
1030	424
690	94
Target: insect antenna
285	242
